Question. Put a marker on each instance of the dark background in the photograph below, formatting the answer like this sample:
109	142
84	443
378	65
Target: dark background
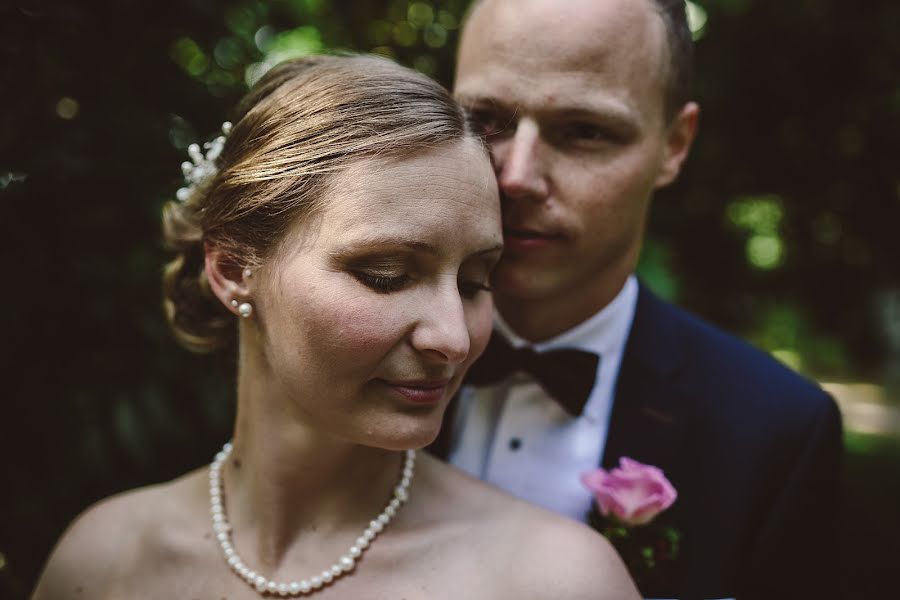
783	228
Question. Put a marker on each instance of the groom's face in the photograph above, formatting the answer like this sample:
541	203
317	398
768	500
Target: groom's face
570	96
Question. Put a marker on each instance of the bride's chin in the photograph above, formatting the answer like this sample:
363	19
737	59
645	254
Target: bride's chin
412	442
408	437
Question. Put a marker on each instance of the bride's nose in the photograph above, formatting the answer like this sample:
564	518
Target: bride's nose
441	331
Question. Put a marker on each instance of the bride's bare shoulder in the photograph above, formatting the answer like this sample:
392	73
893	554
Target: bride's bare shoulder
562	558
552	556
109	535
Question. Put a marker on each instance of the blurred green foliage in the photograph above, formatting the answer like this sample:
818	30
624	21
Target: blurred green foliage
868	534
782	227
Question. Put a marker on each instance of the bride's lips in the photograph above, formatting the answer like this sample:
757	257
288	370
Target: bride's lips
419	391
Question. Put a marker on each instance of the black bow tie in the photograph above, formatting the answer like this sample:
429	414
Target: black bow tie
567	375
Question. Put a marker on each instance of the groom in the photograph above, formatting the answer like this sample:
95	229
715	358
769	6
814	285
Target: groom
586	107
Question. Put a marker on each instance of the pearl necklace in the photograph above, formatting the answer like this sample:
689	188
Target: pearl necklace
345	563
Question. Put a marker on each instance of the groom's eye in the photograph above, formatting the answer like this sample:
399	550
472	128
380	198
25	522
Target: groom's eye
489	123
585	133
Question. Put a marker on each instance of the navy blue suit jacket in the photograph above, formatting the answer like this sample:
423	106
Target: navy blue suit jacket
752	448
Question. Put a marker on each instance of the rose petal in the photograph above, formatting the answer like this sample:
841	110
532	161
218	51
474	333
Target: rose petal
594	480
634	493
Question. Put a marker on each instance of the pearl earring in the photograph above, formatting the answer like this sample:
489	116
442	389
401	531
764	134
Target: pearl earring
245	309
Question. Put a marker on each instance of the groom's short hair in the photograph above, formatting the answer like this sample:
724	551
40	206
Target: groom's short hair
680	40
679	86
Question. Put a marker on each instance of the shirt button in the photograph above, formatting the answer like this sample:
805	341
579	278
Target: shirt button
515	443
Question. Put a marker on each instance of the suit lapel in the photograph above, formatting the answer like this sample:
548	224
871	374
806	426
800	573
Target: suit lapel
649	415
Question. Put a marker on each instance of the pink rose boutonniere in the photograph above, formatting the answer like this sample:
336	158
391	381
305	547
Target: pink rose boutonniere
627	501
634	493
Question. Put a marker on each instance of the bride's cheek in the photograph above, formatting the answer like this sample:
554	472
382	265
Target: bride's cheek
358	328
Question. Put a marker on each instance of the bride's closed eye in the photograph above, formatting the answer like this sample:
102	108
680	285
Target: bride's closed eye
386	284
470	289
388	273
380	282
475	275
380	273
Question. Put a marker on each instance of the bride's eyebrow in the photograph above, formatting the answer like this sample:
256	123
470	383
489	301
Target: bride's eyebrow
374	245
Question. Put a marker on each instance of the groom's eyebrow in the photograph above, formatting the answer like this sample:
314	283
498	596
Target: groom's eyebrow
602	109
471	101
613	116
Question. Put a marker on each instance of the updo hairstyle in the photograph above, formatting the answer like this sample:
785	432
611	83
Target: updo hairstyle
304	122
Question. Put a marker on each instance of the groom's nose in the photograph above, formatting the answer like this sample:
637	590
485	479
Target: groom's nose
519	163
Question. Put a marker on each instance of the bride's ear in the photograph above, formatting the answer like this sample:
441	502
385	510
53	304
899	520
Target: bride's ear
228	280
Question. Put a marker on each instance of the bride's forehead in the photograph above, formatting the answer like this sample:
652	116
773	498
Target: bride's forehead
452	178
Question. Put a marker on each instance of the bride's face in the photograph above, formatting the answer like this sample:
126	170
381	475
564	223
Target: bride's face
375	307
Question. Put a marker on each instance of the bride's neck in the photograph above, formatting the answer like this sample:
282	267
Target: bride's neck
284	480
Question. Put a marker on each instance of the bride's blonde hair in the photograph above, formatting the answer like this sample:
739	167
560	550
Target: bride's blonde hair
303	122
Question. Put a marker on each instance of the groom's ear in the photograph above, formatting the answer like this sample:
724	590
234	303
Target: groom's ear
680	135
227	279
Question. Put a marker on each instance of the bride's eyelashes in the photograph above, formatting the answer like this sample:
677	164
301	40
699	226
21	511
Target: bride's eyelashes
381	283
383	274
385	284
470	289
478	274
389	274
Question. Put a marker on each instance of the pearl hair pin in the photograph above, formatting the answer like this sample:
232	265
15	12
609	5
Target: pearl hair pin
345	563
202	167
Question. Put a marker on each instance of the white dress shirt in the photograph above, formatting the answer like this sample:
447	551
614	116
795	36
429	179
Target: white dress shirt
514	436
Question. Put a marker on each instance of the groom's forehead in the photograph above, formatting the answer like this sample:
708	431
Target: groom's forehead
547	40
600	66
570	25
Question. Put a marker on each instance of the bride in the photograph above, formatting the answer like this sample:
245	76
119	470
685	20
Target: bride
339	238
